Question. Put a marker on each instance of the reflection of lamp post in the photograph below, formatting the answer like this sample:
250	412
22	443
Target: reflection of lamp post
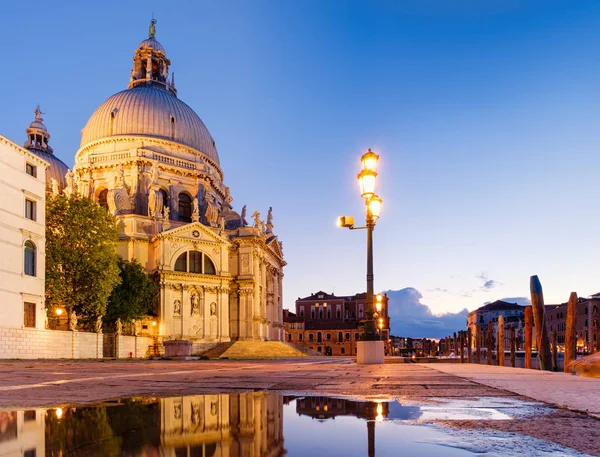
373	203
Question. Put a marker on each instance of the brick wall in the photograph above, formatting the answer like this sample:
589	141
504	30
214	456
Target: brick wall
31	343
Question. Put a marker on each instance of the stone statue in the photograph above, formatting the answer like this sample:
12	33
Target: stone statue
70	178
72	321
211	212
135	329
195	304
119	327
222	223
152	29
154	174
244	222
118	198
258	224
270	221
98	324
177	308
196	211
166	211
213	309
55	189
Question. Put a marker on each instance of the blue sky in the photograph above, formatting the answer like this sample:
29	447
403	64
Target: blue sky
485	115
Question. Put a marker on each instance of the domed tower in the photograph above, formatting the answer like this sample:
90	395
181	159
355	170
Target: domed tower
37	142
149	159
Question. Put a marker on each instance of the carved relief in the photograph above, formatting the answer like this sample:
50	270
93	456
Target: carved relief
195	301
177	308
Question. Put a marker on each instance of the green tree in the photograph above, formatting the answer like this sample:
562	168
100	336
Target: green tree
134	296
81	262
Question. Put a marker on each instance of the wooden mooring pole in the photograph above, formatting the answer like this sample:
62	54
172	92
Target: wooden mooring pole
501	340
461	341
513	348
554	352
469	343
541	334
571	332
478	335
528	335
490	343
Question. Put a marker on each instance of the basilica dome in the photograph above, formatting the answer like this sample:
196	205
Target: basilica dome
148	110
149	107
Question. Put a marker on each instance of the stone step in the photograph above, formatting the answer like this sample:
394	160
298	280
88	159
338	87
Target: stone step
262	350
217	351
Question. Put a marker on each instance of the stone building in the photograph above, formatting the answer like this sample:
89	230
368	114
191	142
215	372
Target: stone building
149	159
332	324
22	239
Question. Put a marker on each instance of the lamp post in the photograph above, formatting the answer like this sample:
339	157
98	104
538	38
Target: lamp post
367	178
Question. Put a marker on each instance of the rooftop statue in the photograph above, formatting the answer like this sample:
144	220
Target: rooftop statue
152	30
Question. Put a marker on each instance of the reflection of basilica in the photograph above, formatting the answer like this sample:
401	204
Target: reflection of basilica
328	408
221	425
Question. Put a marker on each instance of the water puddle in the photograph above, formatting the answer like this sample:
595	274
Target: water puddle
256	424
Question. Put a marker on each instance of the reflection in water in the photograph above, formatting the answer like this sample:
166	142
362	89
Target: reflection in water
241	425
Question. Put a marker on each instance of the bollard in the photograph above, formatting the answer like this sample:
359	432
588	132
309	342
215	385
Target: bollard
571	332
513	348
541	334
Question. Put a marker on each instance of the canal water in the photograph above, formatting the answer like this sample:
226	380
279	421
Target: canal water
257	424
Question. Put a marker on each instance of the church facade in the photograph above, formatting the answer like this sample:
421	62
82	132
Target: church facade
149	159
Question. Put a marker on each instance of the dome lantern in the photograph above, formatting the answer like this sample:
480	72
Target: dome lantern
37	134
151	65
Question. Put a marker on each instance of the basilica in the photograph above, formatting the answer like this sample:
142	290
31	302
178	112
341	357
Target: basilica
148	158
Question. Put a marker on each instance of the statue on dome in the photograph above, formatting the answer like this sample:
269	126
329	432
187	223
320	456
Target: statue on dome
152	29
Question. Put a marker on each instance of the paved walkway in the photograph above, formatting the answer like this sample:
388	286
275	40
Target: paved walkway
26	384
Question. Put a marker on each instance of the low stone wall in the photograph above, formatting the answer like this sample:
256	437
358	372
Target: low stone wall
136	347
32	343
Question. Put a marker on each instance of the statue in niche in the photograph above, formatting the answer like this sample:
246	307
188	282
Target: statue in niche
196	414
177	411
55	189
72	321
98	324
166	224
243	217
213	309
195	300
221	223
213	408
211	211
70	178
177	308
119	327
154	174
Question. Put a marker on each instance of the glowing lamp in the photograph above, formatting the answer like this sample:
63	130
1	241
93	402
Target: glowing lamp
374	204
58	412
378	306
369	160
153	323
59	311
366	178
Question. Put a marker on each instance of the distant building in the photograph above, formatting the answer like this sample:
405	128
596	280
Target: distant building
332	324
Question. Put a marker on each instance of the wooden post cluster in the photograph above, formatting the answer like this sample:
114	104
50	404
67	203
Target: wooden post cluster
537	303
490	343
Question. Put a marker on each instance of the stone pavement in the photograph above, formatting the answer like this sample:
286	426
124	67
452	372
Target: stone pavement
56	383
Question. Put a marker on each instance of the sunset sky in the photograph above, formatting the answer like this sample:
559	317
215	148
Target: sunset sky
485	115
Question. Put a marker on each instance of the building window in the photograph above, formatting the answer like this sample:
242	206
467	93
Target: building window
357	336
347	336
165	199
310	337
320	314
31	170
289	337
302	312
29	415
329	337
300	336
339	314
194	262
340	337
343	351
30	209
319	337
29	258
102	198
29	314
319	349
185	207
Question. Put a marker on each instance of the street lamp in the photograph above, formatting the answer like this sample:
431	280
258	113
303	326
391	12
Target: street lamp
367	178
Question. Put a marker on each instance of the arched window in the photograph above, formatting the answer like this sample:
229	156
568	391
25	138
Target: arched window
102	201
172	127
185	207
29	258
193	262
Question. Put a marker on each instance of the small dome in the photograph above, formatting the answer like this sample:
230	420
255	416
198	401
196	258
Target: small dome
57	169
151	43
152	112
38	125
